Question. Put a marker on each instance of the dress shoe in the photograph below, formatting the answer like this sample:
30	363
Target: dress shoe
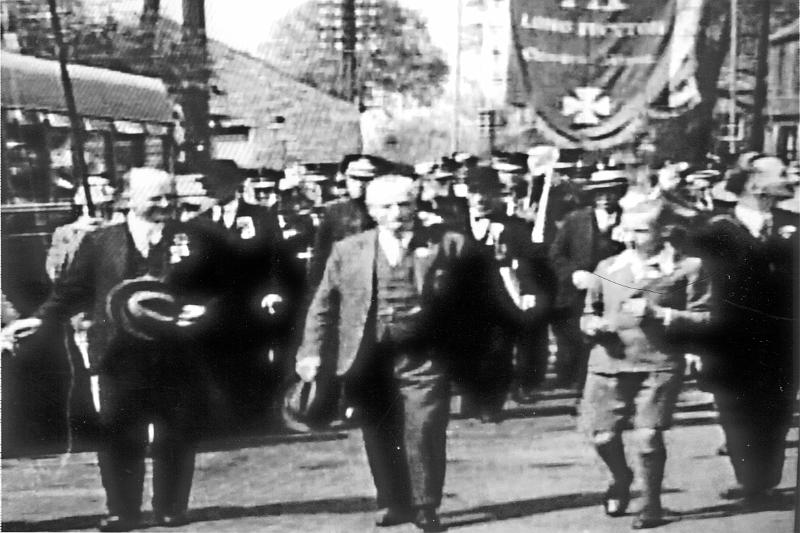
393	516
172	520
118	523
645	521
490	416
428	521
524	395
739	492
618	496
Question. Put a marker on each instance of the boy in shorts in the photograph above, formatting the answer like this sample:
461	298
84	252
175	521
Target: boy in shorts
640	305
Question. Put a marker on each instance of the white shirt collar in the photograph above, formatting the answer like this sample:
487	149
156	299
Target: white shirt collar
753	219
392	246
144	232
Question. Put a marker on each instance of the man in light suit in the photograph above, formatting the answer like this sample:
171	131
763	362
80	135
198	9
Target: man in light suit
379	298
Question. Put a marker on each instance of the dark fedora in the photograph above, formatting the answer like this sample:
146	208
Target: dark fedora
144	307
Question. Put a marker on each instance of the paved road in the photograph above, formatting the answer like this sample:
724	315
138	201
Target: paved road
532	474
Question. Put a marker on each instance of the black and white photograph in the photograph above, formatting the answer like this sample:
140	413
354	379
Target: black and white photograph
400	265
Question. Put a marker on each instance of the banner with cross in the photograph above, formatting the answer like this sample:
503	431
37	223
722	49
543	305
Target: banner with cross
591	71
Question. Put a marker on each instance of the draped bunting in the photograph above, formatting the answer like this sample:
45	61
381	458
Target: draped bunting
593	71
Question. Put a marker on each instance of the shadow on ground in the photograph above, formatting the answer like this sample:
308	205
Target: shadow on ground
484	513
784	500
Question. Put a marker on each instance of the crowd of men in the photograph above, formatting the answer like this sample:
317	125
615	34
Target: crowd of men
370	294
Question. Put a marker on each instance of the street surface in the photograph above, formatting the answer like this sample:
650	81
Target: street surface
533	472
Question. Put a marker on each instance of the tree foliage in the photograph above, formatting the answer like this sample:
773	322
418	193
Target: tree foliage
150	46
400	58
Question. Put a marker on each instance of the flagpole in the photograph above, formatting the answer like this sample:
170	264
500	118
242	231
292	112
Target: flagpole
732	77
457	96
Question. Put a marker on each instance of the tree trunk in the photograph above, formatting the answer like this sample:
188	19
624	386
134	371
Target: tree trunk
193	91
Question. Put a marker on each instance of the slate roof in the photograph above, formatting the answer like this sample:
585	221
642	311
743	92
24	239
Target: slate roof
32	83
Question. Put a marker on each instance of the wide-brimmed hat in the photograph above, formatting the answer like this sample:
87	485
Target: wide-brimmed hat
362	167
603	180
513	162
144	307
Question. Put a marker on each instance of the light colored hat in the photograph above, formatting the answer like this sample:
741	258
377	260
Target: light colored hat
361	168
542	158
606	179
426	167
388	189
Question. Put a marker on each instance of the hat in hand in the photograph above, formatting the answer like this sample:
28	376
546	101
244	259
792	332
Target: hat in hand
144	308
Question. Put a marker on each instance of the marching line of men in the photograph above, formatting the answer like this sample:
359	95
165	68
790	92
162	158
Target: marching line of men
405	294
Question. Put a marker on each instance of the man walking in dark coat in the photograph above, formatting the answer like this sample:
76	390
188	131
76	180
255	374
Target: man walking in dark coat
263	290
142	380
376	320
750	361
580	244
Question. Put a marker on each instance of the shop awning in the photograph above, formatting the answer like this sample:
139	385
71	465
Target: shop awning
31	83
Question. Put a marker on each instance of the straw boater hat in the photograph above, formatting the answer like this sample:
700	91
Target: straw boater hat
604	179
514	162
362	169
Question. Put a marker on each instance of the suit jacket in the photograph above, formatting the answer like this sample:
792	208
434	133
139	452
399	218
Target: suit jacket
340	219
342	302
535	273
755	321
646	344
101	262
578	245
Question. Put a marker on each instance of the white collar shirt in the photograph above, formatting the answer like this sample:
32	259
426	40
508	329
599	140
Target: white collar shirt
393	246
144	232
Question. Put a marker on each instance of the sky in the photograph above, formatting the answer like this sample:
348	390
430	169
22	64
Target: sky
243	24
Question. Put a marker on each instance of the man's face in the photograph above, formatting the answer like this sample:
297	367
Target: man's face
152	197
356	187
607	200
393	215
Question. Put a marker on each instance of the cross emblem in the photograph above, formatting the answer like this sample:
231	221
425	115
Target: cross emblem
587	105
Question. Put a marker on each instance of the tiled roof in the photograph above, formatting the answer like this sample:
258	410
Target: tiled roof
32	83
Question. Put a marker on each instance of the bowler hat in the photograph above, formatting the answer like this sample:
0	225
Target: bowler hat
144	308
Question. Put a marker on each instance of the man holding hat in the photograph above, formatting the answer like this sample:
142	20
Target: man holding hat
377	321
750	360
580	244
148	371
